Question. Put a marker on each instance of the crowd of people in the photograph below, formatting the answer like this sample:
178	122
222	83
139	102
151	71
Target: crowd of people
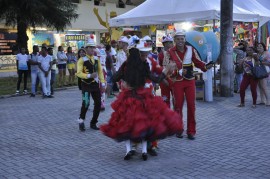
130	65
246	59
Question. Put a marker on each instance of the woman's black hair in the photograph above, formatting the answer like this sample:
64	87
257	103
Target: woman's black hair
135	72
264	46
81	49
59	47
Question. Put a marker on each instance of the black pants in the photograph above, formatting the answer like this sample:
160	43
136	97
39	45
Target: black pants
93	90
21	73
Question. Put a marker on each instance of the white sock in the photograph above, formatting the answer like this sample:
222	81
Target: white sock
79	120
128	145
144	146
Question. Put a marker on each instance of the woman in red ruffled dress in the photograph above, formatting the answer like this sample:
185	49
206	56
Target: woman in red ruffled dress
138	115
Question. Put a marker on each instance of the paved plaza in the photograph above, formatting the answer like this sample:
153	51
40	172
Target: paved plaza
40	139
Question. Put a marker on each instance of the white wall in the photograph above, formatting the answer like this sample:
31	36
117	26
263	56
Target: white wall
87	19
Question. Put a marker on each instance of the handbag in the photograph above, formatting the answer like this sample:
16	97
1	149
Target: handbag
259	72
267	69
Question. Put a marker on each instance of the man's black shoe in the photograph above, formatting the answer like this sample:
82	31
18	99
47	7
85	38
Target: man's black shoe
50	96
144	156
191	137
32	95
133	152
152	152
180	135
128	156
94	126
82	127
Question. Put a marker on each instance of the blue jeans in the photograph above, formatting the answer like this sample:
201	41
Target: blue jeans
34	81
238	78
52	80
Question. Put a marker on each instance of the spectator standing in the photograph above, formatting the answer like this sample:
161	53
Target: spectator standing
71	66
62	65
45	65
53	69
22	70
239	55
248	79
33	61
264	58
81	53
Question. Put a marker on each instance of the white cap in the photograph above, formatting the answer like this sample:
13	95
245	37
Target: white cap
146	38
91	42
179	32
144	46
123	39
167	38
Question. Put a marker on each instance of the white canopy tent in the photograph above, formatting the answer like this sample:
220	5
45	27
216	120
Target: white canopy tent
169	11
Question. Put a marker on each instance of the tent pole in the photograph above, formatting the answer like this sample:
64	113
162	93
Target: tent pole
259	33
215	83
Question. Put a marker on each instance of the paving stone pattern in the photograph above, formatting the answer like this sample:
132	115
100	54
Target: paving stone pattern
40	139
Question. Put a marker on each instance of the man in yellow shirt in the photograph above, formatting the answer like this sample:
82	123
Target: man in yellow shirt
90	71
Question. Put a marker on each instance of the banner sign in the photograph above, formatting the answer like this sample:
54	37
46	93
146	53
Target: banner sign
79	37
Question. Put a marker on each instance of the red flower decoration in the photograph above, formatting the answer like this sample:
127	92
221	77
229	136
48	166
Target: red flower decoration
92	36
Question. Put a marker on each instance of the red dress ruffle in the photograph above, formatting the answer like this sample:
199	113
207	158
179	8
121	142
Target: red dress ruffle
141	116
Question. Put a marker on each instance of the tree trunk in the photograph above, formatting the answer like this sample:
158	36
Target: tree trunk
22	37
226	54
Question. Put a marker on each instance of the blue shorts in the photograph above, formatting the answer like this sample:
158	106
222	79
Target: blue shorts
62	66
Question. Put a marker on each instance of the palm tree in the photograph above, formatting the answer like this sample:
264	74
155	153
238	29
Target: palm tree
55	14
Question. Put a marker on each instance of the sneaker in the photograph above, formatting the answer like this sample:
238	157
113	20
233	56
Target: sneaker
94	126
50	96
81	124
17	92
32	95
82	127
25	92
144	156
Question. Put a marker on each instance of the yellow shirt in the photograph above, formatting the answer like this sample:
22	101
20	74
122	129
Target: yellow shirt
82	74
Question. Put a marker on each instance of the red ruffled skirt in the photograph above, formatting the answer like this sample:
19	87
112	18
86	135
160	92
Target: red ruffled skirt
141	116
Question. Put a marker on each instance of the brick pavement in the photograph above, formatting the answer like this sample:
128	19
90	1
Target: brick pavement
40	139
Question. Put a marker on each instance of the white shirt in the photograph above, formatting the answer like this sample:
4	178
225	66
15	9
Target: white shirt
54	65
121	57
22	61
113	52
60	57
45	61
34	58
